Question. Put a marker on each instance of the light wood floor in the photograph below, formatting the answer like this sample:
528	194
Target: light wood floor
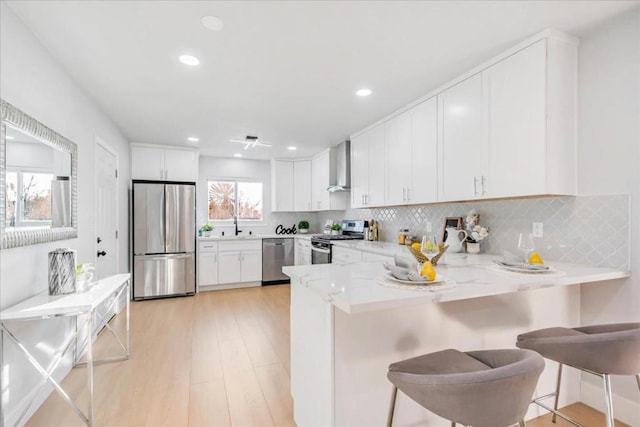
216	359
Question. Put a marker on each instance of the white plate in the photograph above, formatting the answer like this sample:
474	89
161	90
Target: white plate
525	270
440	280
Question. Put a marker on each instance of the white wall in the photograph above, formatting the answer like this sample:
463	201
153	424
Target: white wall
609	162
32	80
260	170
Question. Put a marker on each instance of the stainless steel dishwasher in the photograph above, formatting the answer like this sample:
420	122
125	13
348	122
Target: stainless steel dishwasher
276	253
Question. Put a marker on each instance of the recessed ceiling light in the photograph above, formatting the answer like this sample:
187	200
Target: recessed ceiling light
363	92
193	139
10	137
238	155
212	23
189	60
292	148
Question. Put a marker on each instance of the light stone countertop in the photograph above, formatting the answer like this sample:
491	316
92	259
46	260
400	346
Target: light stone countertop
254	237
354	288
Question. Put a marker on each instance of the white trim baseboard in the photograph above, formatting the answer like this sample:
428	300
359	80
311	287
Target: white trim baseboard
624	409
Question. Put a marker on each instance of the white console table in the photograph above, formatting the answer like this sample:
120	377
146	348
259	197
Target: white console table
45	306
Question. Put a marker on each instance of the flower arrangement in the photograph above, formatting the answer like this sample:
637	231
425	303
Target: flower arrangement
475	232
207	227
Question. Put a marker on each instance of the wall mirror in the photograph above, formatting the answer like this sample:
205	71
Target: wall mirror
38	188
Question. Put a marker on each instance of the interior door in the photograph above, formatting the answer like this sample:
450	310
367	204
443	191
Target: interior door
106	165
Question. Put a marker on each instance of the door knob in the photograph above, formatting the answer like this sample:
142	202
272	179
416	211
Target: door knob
98	240
101	253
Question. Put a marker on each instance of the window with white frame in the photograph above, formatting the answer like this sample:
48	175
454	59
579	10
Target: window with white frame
227	198
28	198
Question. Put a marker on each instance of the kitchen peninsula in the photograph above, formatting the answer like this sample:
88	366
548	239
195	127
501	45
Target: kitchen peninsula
346	328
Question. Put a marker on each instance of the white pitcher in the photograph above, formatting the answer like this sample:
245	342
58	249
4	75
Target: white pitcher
453	239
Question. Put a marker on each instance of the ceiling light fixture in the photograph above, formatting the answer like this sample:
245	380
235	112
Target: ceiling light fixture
189	60
193	139
251	142
238	155
212	23
292	148
364	92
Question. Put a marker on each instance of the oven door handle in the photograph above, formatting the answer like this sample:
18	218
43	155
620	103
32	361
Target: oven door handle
321	250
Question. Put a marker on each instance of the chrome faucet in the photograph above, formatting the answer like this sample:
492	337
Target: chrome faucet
235	222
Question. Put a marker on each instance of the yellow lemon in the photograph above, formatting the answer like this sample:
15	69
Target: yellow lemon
415	245
535	258
428	271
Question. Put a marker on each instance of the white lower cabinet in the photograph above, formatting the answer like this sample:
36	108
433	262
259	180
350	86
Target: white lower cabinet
302	252
207	263
251	266
208	269
340	255
229	262
229	267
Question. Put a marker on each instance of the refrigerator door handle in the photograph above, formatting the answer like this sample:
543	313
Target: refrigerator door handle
163	218
165	256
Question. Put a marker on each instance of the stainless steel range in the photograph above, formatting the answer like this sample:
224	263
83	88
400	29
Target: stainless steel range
321	243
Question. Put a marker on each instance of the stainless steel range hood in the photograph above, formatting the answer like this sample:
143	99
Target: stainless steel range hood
342	179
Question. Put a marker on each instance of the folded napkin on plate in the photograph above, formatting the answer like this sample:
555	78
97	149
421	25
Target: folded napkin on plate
402	273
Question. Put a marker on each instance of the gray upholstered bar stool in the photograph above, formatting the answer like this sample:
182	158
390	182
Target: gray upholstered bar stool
601	350
490	388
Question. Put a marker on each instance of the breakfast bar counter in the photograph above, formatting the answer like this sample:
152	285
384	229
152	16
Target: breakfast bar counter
357	288
349	322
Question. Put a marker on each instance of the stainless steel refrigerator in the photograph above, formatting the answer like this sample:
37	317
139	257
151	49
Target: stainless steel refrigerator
164	239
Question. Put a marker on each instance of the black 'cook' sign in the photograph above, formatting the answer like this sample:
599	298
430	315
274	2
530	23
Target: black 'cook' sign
281	230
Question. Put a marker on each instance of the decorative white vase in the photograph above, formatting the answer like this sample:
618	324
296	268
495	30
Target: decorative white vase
473	248
335	232
206	233
303	230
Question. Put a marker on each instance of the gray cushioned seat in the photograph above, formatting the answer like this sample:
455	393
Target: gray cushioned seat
488	388
605	349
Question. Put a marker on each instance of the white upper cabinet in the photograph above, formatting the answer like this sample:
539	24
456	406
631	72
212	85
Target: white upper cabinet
368	168
320	174
162	163
359	170
302	185
377	178
530	104
411	155
398	158
282	183
504	129
424	152
461	140
291	185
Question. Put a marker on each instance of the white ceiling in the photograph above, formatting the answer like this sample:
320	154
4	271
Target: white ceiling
285	71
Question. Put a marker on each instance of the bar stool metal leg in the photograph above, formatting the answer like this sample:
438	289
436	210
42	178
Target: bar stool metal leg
555	403
521	423
392	405
606	379
638	380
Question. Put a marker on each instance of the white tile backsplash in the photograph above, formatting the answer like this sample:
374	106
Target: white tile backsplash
584	230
